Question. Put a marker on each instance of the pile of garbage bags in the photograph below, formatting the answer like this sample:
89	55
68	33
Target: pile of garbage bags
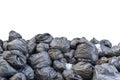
44	57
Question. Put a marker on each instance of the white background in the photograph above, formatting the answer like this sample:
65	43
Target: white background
69	18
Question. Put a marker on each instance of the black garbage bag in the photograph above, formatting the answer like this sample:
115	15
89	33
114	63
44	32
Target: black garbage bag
116	62
28	72
40	60
114	51
31	45
42	47
5	69
106	71
103	47
70	75
76	41
55	54
94	41
46	38
85	70
59	66
18	76
18	44
45	73
59	76
15	58
87	50
14	35
106	43
107	51
61	43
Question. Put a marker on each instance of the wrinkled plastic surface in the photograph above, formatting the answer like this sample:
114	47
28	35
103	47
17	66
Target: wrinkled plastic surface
86	50
40	60
106	72
60	43
83	69
6	69
46	73
15	58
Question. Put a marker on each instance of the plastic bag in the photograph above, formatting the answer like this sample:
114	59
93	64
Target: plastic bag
18	44
45	73
14	35
15	58
61	43
40	60
87	50
5	69
106	72
83	69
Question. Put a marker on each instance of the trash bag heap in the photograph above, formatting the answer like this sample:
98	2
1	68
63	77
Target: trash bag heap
44	57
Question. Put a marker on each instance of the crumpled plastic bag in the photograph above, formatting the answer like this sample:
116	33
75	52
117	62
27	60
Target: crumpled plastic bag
106	43
105	46
108	51
55	54
15	58
94	41
114	51
18	44
14	35
45	73
87	50
85	70
5	69
116	62
40	60
61	43
106	71
46	38
59	66
28	72
42	47
76	41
